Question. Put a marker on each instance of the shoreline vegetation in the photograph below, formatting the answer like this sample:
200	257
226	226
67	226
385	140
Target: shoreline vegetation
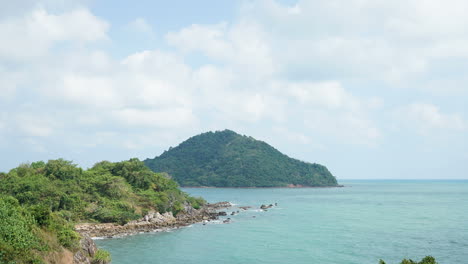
41	202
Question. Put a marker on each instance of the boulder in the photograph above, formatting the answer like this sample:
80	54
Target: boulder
263	206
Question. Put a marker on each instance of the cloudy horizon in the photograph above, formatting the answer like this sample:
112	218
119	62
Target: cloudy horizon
370	89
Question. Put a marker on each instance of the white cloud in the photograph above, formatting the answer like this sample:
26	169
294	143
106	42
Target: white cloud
242	46
165	118
158	78
259	90
9	82
241	83
433	18
427	117
325	94
33	125
314	73
348	128
368	40
34	145
33	34
210	38
292	136
88	90
140	25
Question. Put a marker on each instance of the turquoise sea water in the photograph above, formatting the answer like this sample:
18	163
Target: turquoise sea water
358	224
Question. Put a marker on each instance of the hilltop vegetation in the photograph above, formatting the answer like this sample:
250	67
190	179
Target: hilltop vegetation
40	202
227	159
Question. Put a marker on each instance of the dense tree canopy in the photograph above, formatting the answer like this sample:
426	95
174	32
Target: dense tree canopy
227	159
40	202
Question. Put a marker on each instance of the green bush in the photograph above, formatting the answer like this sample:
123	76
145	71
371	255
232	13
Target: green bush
17	232
102	256
41	213
68	238
196	202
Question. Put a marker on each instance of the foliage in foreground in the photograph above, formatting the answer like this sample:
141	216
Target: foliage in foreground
425	260
102	256
227	159
40	202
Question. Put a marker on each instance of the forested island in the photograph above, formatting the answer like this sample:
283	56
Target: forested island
227	159
41	202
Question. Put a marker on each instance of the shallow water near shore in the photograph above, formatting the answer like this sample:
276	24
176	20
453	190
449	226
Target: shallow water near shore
357	224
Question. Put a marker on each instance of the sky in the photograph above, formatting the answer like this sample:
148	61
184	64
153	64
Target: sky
371	89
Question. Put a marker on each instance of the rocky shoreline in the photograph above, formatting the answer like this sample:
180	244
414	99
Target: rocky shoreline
154	221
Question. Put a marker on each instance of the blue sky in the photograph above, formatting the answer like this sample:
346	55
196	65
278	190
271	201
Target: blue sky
371	89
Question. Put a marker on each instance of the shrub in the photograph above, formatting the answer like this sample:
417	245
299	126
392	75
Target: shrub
101	257
17	237
68	238
196	202
41	213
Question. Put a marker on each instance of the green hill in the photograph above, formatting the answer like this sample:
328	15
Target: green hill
227	159
41	202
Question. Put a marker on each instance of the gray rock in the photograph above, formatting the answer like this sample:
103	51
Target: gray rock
263	206
86	252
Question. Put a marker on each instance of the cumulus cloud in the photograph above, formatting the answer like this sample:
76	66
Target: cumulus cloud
244	79
243	46
314	71
324	94
34	126
165	118
425	118
9	82
140	25
93	90
371	40
33	34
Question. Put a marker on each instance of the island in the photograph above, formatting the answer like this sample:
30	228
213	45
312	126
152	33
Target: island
228	159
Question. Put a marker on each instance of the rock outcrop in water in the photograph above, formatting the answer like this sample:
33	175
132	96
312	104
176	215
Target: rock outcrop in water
154	221
264	206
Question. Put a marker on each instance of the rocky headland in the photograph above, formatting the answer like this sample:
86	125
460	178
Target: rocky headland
154	221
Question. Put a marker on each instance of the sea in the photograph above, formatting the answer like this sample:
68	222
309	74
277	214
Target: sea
363	222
